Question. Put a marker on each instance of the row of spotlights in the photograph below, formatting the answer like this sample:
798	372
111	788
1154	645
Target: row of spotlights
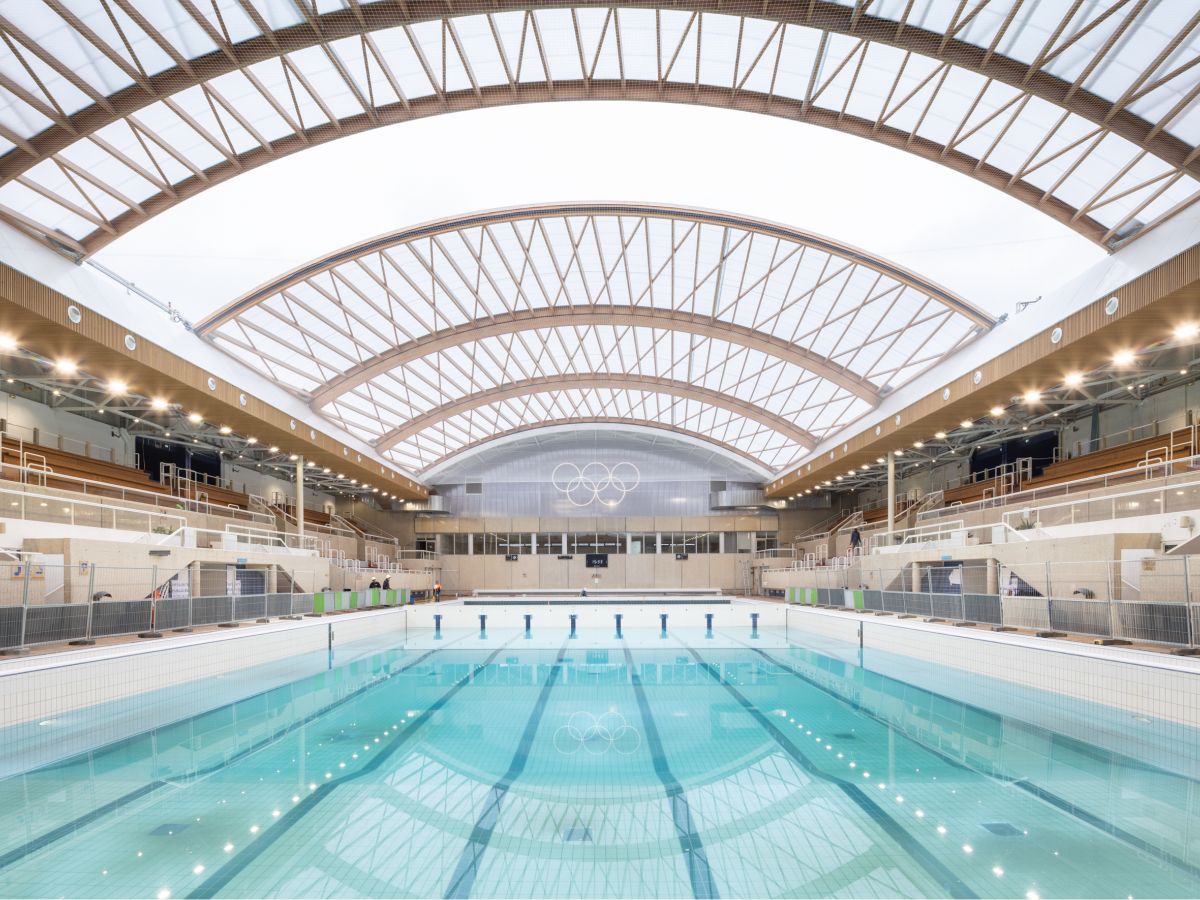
118	387
1071	379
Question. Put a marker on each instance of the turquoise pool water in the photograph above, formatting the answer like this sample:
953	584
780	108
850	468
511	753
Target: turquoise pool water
643	767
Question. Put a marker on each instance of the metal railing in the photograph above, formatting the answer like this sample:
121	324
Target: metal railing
36	507
42	437
1142	600
1178	468
1174	498
39	475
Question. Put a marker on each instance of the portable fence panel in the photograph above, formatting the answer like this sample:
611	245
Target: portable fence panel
894	601
1082	616
1165	623
53	624
1025	612
171	612
211	610
253	606
982	608
302	603
10	626
918	604
872	599
120	617
946	606
279	605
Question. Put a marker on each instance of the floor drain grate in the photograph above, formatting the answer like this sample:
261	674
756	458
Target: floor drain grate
1004	829
168	829
577	833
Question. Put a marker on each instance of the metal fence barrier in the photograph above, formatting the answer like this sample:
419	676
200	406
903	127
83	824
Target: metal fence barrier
1142	597
1138	621
24	626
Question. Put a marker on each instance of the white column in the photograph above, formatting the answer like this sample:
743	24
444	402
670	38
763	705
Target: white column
300	500
891	493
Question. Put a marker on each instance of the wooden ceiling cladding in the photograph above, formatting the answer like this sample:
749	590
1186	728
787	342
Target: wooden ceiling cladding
1150	306
37	317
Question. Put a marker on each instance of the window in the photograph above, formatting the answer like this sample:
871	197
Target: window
520	542
550	544
454	544
595	543
737	542
643	543
766	540
426	542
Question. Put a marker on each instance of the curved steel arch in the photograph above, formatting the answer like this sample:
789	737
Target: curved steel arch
719	446
320	29
558	317
682	389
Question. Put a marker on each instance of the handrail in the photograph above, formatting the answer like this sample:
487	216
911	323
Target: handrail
46	499
1111	499
1090	483
152	498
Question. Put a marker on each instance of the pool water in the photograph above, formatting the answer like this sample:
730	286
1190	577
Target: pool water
686	766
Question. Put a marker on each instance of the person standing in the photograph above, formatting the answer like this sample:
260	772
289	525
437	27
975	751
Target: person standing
437	591
855	543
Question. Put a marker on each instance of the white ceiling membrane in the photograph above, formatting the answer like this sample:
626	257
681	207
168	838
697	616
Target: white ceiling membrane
114	110
755	336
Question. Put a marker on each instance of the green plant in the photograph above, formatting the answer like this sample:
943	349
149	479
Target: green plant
162	529
1025	525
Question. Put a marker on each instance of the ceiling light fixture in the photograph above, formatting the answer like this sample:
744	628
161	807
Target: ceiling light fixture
117	386
158	403
1072	379
1187	331
1032	397
65	367
195	418
996	411
225	429
7	342
966	423
1124	358
941	435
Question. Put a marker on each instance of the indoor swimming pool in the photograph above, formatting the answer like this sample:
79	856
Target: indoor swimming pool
681	764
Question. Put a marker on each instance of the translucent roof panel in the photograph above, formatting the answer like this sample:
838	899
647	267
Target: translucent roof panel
770	338
112	112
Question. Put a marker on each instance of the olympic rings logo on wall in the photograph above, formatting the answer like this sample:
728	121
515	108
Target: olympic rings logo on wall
596	734
595	482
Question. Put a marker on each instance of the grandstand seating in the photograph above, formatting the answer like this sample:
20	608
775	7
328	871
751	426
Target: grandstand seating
74	465
106	479
1127	456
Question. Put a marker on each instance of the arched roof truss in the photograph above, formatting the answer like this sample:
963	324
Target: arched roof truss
765	338
114	110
